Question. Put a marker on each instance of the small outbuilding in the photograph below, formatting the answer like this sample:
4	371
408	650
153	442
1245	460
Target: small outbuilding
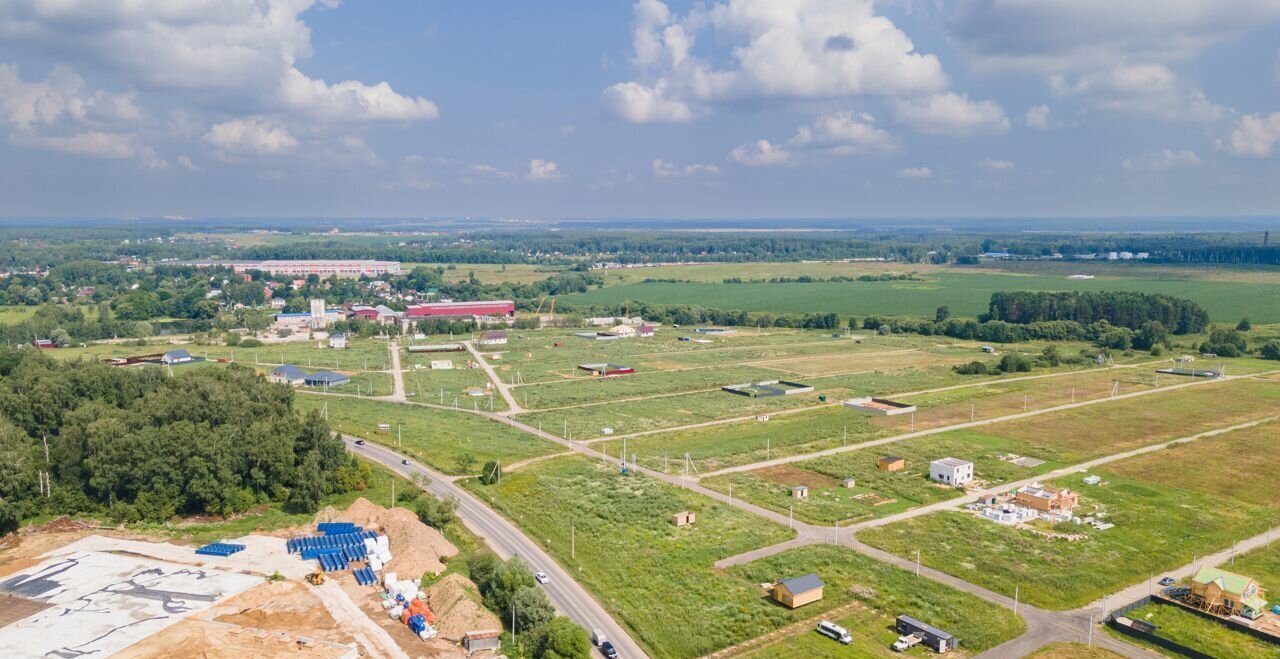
179	356
880	406
684	518
338	341
441	364
849	483
794	593
644	330
288	374
606	370
800	492
486	639
891	463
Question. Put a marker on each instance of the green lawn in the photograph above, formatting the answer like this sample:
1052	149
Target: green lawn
443	386
887	592
1197	633
1157	528
438	438
966	292
587	389
655	578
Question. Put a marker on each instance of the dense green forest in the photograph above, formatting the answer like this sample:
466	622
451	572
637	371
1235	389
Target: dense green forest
137	444
1120	308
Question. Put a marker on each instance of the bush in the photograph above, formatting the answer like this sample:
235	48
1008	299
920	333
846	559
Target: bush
435	512
251	343
1271	350
231	339
1014	364
1244	325
972	368
492	473
1157	350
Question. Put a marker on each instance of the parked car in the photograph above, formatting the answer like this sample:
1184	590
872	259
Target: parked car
541	577
1167	581
607	650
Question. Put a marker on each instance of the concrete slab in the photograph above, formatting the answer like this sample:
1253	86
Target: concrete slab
102	602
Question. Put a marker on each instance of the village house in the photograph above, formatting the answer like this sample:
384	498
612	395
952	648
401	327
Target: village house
799	591
1227	594
1046	499
493	338
951	471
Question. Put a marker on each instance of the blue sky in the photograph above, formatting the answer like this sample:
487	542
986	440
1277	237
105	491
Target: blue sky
724	108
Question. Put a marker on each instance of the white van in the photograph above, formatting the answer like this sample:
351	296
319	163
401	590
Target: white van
834	631
597	637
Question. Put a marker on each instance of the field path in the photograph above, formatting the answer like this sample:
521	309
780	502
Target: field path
504	389
397	375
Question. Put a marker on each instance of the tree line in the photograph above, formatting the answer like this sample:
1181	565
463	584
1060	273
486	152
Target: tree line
137	444
1121	308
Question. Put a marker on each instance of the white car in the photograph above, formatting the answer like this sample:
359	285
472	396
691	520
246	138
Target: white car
541	577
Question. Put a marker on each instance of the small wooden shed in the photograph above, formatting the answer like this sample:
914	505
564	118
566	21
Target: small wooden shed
799	591
891	463
684	518
800	492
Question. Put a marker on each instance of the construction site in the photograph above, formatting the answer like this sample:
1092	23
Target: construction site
348	586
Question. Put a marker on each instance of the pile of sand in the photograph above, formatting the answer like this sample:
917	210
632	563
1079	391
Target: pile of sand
416	548
456	603
280	606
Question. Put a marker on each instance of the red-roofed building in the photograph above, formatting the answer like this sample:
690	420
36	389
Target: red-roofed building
505	308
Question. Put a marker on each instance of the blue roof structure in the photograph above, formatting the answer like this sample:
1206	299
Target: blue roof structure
330	378
802	584
289	372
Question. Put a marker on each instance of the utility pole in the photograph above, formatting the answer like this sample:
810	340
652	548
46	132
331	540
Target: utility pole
917	562
1090	630
790	517
573	542
398	427
1015	600
972	409
393	492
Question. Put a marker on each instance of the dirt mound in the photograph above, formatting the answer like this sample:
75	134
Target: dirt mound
280	606
456	603
416	548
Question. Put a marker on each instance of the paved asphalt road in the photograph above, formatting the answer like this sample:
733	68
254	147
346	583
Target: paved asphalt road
506	540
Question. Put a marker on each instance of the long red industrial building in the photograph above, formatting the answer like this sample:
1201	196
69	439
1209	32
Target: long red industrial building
479	308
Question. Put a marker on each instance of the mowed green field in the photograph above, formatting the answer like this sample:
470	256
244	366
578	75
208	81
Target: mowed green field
1166	511
438	438
656	579
882	592
966	293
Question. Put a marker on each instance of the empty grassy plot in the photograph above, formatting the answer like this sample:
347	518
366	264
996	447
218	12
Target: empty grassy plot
1157	528
1113	427
443	387
787	346
876	493
1192	631
743	442
656	413
587	389
361	355
371	383
1238	465
653	577
439	438
832	364
886	592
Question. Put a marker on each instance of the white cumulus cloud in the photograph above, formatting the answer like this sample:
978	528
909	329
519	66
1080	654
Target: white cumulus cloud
788	49
844	133
664	169
915	172
1162	160
1038	117
1148	89
250	136
951	114
997	164
760	153
1255	136
543	170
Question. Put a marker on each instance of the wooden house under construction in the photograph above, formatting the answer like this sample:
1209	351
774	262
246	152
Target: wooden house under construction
1227	594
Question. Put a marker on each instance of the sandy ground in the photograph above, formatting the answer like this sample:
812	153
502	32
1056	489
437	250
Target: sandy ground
280	619
456	603
416	548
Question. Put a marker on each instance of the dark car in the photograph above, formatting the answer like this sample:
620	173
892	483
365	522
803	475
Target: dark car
359	442
1167	581
404	462
607	650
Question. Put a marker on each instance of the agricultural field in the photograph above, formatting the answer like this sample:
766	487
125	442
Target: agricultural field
1197	633
363	354
876	493
880	592
1157	528
14	314
648	573
442	439
490	273
966	292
